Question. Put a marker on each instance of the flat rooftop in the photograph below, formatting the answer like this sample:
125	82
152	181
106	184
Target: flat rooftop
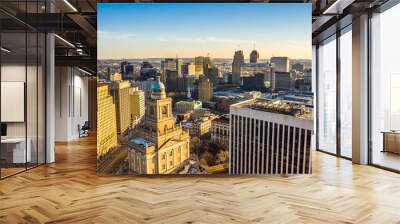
290	108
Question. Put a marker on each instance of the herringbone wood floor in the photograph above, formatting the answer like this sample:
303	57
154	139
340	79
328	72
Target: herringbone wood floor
70	191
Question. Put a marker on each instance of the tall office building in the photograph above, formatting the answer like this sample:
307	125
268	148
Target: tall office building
281	81
189	69
270	137
137	105
168	64
120	93
205	89
280	64
160	146
126	70
199	66
254	56
213	74
207	64
179	63
106	121
238	61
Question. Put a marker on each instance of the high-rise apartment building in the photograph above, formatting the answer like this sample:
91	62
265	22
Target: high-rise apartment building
205	89
106	121
270	137
254	56
280	64
160	146
137	105
238	62
120	93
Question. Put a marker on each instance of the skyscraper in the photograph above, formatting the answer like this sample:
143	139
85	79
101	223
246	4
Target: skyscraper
106	121
281	81
168	64
270	137
238	61
160	146
254	56
199	66
179	63
120	93
205	89
137	105
280	64
126	70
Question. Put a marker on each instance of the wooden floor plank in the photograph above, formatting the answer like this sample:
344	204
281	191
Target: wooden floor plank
70	191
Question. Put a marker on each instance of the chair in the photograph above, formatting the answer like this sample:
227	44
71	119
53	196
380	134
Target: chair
84	130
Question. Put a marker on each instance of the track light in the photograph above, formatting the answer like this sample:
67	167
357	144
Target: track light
5	50
70	5
84	71
64	40
337	7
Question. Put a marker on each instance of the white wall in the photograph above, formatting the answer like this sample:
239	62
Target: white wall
71	102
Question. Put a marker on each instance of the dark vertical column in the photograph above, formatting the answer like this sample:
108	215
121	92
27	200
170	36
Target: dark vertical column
338	74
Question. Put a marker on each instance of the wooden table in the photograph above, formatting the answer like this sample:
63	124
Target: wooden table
391	141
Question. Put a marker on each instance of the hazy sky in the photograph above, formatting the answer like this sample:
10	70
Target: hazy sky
146	30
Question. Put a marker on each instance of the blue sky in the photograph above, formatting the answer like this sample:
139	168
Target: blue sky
132	30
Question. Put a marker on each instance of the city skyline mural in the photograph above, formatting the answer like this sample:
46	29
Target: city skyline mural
204	88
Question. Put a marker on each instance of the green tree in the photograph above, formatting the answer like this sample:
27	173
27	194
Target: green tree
195	145
208	157
222	157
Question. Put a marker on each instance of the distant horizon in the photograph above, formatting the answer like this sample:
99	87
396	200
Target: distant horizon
145	30
246	59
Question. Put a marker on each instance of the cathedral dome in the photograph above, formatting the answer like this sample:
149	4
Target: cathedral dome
157	85
157	89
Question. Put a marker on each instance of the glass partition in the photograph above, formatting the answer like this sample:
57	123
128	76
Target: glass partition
385	89
326	96
346	93
22	88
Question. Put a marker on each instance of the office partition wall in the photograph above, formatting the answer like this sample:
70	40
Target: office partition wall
22	87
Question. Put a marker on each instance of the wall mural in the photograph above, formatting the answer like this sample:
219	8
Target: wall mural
204	88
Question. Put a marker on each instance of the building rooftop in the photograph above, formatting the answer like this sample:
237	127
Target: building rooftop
290	108
222	119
